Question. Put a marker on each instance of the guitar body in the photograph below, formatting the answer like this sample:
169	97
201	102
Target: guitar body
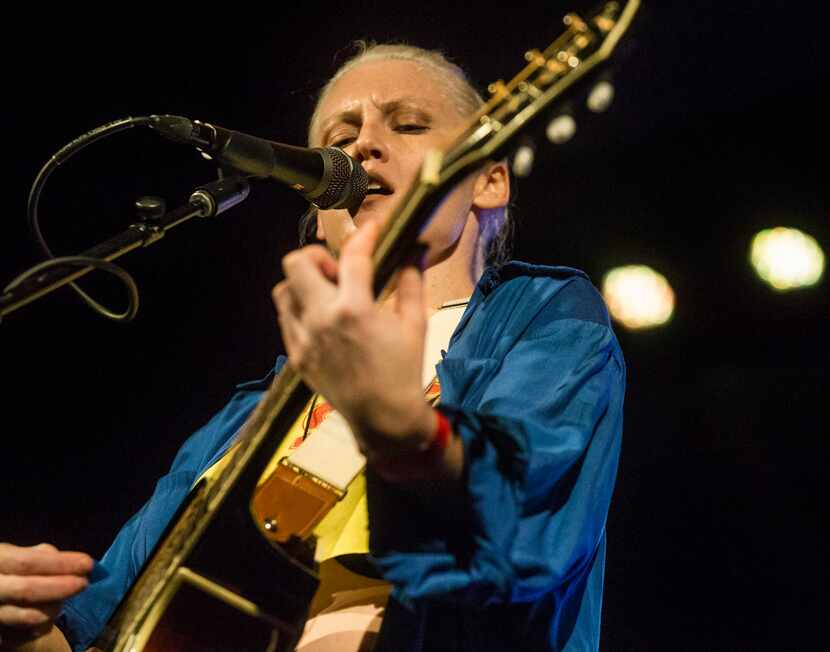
196	620
235	591
218	579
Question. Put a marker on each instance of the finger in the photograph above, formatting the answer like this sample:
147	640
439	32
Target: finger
310	272
42	559
14	616
27	590
283	300
356	267
323	258
409	303
294	335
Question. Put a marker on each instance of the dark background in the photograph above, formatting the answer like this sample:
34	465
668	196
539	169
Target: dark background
719	129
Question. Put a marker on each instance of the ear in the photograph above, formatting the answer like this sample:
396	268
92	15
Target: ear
492	186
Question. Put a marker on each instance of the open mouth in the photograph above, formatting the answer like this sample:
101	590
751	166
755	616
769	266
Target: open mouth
377	187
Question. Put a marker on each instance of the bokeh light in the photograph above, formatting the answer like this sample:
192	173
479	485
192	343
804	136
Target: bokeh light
638	297
523	161
561	129
786	258
600	97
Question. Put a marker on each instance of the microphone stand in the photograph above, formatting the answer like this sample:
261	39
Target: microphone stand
208	200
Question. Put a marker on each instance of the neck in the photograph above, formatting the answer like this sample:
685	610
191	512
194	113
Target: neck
446	281
455	274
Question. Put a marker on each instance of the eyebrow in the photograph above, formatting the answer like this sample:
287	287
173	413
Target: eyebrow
352	116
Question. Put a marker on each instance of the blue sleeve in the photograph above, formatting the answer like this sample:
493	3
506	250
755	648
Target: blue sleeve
541	430
84	616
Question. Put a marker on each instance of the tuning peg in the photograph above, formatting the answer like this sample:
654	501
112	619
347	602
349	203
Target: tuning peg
498	89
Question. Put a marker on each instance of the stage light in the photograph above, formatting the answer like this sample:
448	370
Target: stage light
523	161
561	129
638	297
786	258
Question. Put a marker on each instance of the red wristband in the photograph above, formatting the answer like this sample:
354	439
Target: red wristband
414	466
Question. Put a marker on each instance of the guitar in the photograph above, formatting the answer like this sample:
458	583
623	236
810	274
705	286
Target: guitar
187	595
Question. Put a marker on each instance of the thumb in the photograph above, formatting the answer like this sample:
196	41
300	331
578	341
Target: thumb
409	303
361	241
355	265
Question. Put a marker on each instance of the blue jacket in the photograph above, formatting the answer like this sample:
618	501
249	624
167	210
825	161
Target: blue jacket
533	383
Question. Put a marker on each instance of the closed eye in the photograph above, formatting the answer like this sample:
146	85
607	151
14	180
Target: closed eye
411	129
403	128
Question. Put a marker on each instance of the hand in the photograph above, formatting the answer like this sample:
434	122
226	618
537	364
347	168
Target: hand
364	358
34	582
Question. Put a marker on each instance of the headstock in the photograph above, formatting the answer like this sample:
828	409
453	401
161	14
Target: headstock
513	107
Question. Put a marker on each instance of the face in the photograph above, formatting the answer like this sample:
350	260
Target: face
388	114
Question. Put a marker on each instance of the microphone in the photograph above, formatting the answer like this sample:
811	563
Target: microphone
325	176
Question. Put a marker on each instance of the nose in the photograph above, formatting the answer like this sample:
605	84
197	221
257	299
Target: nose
370	144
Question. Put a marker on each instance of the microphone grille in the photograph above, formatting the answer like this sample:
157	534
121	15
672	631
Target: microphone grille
347	181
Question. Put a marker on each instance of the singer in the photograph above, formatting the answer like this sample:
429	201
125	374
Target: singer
476	511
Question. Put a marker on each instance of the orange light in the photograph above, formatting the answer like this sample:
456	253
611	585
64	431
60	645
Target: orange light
638	297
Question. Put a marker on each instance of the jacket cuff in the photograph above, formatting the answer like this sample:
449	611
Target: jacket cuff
464	554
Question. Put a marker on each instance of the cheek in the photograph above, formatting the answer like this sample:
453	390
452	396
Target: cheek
449	220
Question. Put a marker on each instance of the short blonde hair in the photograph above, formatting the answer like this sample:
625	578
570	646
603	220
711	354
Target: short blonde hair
461	92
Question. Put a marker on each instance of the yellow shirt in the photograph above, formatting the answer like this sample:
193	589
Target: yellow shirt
345	529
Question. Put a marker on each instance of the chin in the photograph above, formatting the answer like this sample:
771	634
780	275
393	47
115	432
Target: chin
373	212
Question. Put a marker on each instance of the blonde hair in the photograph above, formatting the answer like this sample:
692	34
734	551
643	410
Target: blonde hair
497	226
460	91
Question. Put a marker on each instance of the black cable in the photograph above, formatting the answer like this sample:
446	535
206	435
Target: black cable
309	415
57	159
86	261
